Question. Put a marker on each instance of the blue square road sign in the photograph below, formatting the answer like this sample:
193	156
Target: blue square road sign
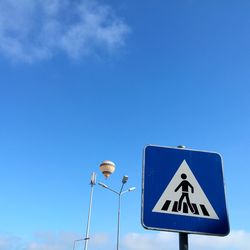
183	191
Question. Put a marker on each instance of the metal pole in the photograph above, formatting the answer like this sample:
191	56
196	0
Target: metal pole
183	237
92	183
118	224
183	241
119	212
124	180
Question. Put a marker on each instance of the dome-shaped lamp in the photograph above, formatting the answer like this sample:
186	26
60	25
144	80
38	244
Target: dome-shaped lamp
107	168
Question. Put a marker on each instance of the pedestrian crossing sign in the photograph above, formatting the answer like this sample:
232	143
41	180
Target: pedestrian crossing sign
183	191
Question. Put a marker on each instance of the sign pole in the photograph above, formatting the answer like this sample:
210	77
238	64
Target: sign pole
183	241
183	237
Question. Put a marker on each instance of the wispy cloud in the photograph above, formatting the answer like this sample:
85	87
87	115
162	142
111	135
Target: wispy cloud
237	240
8	242
37	30
135	241
54	241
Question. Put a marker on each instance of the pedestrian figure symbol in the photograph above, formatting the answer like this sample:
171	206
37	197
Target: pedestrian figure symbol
184	196
184	185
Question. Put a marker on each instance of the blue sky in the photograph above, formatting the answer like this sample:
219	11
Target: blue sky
84	81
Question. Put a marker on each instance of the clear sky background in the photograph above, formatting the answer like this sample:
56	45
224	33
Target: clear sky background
90	80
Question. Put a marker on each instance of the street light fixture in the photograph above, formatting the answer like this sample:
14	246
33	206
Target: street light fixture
102	184
124	180
129	190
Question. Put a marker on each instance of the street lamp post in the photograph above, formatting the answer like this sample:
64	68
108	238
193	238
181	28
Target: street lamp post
120	193
107	168
92	183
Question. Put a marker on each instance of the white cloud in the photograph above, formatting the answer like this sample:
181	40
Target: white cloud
9	242
36	30
237	240
159	241
54	241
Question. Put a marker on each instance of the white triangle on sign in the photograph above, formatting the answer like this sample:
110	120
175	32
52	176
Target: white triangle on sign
179	199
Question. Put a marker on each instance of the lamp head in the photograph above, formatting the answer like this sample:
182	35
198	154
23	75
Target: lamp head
124	179
93	179
102	184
